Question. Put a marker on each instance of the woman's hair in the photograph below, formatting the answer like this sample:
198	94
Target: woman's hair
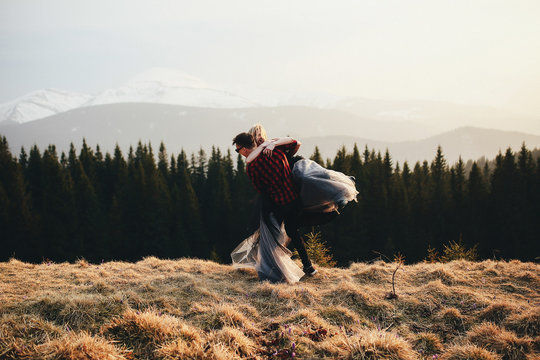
258	133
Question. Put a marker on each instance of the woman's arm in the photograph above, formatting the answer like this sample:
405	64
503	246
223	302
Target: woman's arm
281	141
255	153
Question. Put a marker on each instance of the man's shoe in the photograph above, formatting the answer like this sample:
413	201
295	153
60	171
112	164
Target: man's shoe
310	271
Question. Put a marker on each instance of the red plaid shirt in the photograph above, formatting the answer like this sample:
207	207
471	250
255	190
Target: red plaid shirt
273	176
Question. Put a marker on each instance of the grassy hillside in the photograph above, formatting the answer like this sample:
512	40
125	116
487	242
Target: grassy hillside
194	309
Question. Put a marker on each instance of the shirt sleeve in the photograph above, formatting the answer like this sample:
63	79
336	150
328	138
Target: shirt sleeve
288	147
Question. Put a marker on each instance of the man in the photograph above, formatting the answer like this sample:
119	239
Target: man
272	177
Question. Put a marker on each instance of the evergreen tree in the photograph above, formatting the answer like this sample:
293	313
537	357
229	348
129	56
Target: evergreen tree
217	203
439	200
198	172
163	165
527	224
59	221
504	207
457	205
342	161
189	211
356	164
243	202
16	222
89	222
23	159
317	156
419	195
88	161
476	203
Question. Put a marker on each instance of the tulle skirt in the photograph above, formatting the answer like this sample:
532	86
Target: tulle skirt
322	191
266	253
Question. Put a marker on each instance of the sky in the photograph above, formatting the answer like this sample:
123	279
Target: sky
484	52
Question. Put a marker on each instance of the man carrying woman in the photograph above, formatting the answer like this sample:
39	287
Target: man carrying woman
272	177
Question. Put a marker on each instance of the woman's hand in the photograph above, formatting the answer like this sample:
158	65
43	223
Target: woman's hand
269	148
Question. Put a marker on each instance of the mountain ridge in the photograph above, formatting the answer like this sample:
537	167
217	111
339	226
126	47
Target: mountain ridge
190	128
415	119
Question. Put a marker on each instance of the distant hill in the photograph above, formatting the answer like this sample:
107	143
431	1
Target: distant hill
438	116
191	128
469	142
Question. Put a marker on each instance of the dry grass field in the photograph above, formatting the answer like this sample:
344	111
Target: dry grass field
195	309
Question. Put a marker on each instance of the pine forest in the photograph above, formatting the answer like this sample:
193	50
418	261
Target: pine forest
101	207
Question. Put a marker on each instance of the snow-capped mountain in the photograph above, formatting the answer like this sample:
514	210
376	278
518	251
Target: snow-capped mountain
156	85
163	86
40	104
406	119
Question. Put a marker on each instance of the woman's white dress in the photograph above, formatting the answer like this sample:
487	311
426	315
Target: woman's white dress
321	191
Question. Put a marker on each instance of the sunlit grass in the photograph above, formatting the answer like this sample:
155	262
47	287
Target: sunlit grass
195	309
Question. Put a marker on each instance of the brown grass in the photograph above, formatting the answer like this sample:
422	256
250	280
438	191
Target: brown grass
469	352
195	309
80	346
501	341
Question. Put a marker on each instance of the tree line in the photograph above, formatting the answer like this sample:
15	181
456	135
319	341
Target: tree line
101	207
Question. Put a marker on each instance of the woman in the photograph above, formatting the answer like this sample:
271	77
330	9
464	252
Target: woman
323	193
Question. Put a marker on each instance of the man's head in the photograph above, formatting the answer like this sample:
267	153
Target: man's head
244	143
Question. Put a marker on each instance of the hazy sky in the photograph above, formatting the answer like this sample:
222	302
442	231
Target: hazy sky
466	51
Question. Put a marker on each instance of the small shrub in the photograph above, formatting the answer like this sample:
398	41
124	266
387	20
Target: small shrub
458	251
317	250
452	251
433	255
399	261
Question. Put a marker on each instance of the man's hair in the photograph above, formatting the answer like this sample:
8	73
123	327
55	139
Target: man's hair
244	140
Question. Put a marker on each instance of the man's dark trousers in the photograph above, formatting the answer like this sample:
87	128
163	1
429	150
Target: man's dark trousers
290	215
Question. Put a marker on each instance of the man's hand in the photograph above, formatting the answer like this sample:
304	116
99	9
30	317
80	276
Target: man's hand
269	148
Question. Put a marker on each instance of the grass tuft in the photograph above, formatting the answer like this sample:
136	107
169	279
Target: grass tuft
374	345
503	342
526	323
468	352
427	344
142	331
497	312
81	346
